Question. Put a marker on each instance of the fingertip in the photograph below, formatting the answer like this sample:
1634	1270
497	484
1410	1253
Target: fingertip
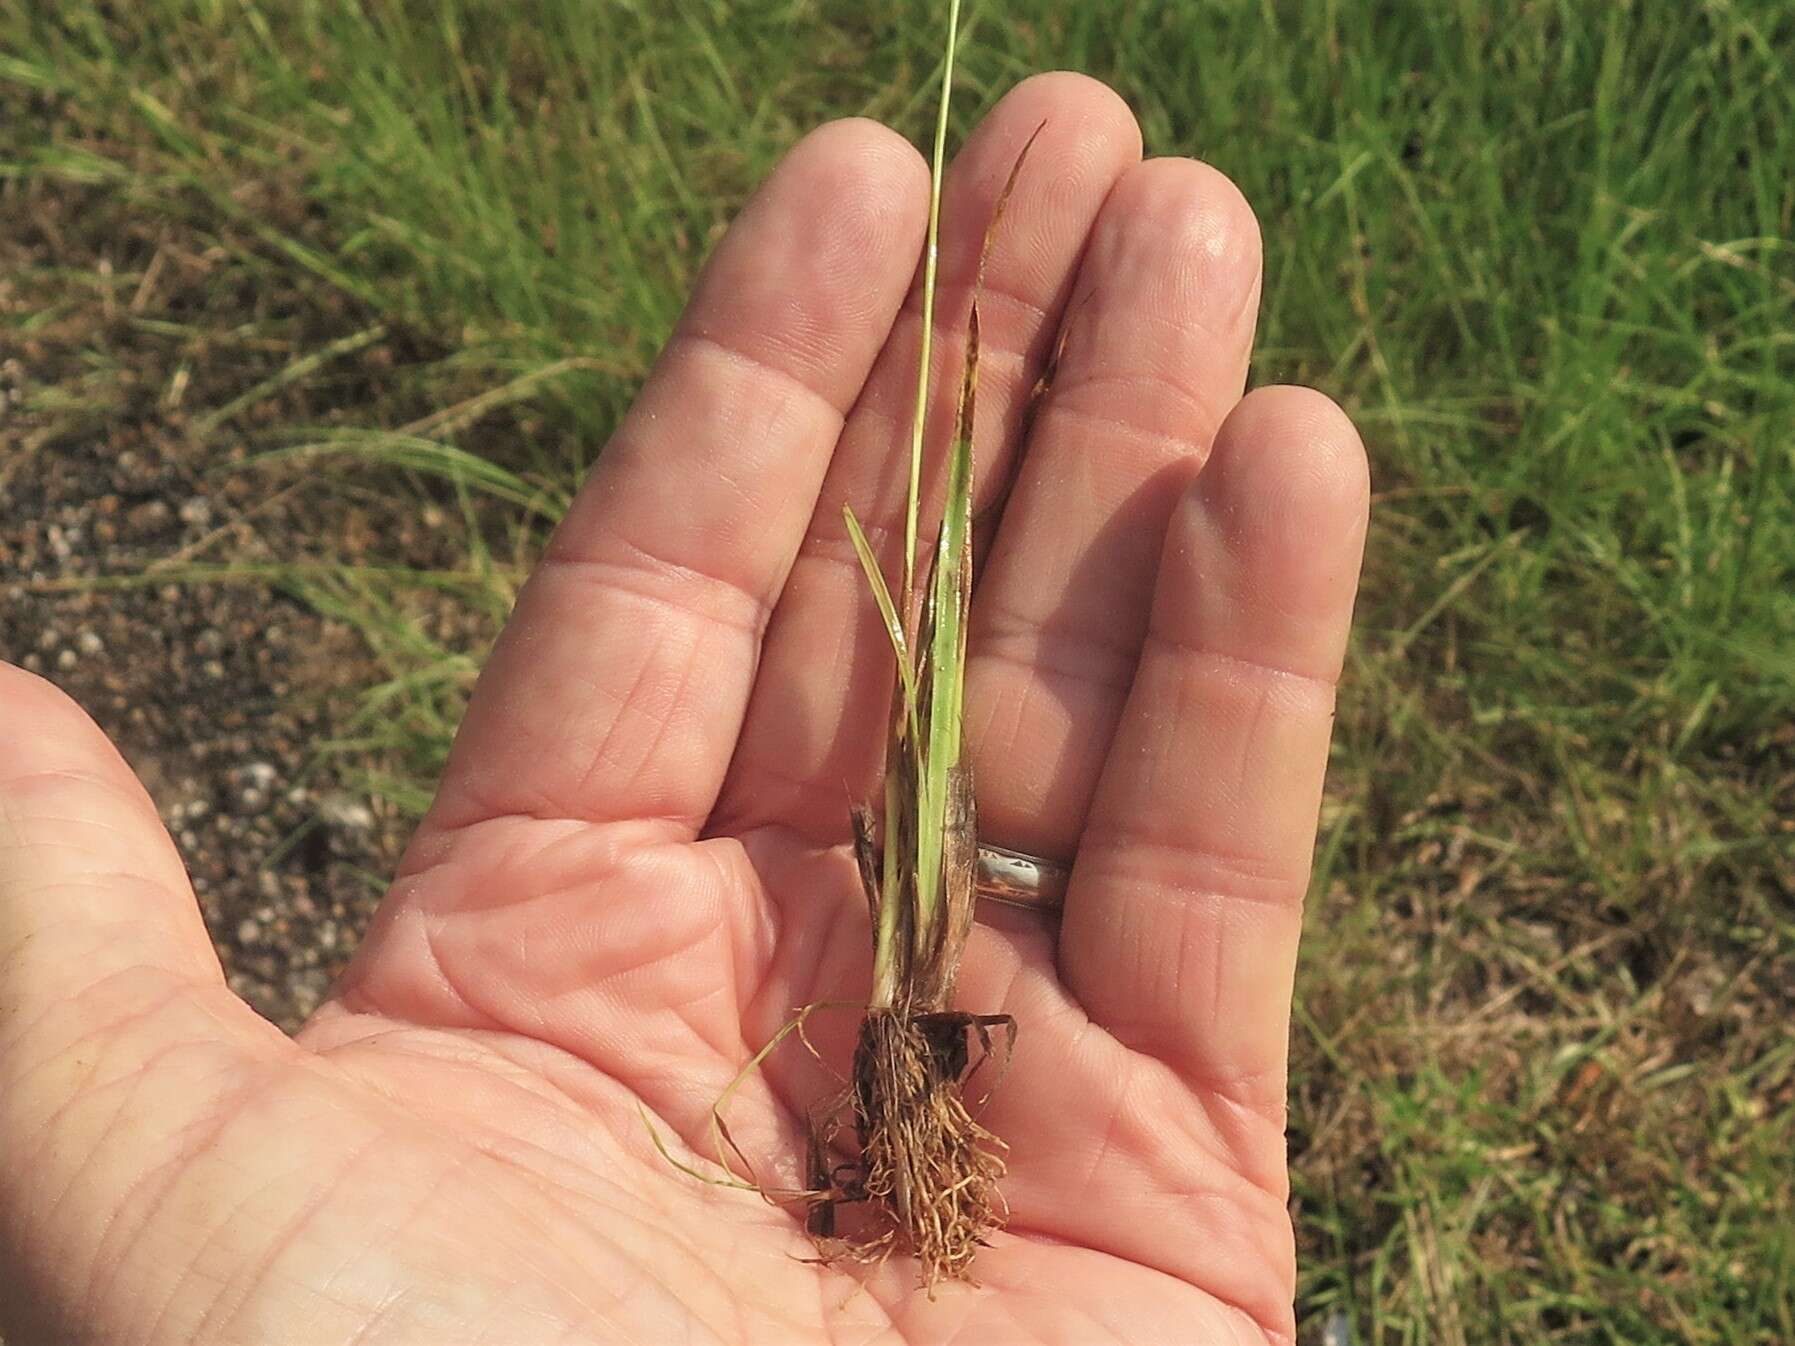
1183	237
1308	422
1289	463
811	273
864	180
1173	269
1087	140
1092	122
1263	558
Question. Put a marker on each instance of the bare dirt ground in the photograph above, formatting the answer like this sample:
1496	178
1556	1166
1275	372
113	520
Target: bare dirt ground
140	561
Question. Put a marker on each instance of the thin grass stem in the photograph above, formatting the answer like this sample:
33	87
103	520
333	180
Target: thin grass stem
931	259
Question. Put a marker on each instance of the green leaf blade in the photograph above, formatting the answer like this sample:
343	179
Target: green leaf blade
894	626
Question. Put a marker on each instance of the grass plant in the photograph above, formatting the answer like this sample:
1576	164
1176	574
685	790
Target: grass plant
923	1160
918	1157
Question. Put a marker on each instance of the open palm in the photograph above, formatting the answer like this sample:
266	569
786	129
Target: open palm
638	863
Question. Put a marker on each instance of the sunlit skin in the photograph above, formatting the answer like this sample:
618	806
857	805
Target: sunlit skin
638	861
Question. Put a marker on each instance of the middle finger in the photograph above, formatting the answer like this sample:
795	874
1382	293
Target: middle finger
817	719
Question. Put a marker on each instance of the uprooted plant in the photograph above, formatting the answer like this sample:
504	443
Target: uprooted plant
916	1159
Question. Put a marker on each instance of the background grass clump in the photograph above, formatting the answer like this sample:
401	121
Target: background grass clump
1544	1088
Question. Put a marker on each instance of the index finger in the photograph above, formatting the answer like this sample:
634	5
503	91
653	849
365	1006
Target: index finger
618	686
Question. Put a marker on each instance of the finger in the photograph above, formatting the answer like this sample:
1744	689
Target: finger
115	1021
1181	925
818	716
617	688
1154	358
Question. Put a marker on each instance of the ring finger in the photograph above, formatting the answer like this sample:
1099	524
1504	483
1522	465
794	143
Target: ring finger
1161	330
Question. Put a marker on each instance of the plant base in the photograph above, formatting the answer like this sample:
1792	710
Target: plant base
927	1168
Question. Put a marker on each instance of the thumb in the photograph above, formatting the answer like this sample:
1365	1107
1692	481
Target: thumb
117	1031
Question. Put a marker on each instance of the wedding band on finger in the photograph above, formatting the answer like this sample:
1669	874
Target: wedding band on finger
1018	879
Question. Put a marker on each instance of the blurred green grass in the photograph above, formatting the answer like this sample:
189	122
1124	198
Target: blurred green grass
1544	1088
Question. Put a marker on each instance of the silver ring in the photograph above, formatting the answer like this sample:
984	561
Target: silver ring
1018	879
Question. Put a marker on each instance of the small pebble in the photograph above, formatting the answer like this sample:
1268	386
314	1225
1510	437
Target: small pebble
351	815
196	512
248	931
254	784
89	642
262	775
67	659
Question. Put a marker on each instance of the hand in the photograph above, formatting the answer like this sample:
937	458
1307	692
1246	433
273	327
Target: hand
637	865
